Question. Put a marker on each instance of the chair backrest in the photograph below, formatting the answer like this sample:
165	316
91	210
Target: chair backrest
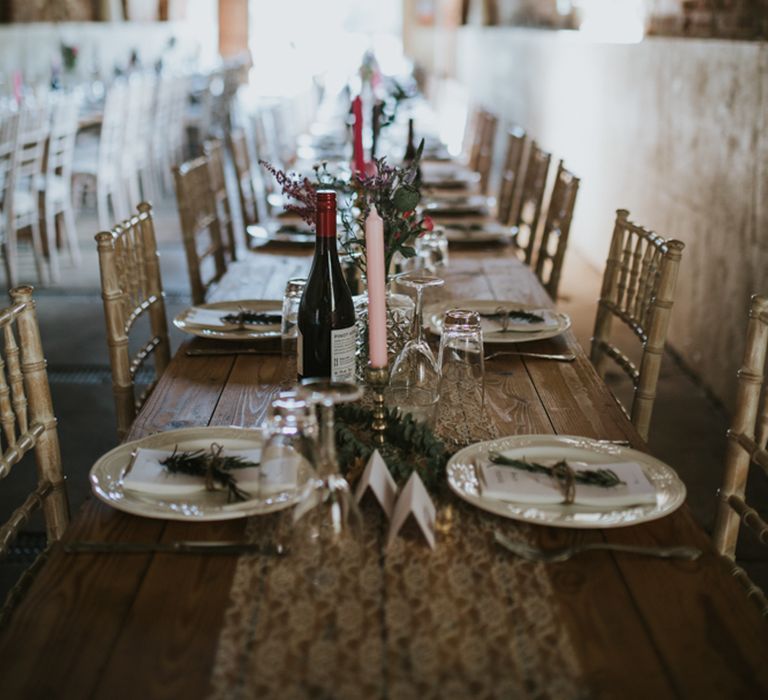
27	419
9	123
528	213
747	438
485	153
214	152
557	226
61	143
249	198
511	175
199	226
112	130
639	290
177	132
131	287
29	158
476	126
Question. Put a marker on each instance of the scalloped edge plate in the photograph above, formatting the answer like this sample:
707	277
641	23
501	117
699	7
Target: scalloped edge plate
463	481
106	479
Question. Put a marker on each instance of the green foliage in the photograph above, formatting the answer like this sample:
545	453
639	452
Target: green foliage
409	445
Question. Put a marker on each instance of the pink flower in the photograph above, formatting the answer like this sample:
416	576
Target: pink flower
408	214
428	223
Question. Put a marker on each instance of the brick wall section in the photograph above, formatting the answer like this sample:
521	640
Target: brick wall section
722	19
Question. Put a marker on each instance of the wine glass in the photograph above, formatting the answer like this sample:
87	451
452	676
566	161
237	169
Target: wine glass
328	513
415	377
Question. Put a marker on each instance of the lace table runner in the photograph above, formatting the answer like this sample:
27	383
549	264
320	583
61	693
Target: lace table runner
465	620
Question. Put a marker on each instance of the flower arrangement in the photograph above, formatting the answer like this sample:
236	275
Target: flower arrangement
69	56
394	190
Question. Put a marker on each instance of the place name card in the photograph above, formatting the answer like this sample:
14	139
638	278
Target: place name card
414	501
378	480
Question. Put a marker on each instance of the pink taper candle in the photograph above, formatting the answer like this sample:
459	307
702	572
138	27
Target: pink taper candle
377	295
358	163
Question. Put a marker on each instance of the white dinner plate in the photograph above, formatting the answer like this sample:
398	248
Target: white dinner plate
433	315
282	232
463	481
184	321
106	479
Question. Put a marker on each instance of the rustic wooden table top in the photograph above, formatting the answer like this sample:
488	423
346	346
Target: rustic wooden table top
143	625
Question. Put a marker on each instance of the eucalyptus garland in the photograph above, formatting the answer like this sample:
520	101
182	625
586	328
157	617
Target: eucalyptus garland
409	446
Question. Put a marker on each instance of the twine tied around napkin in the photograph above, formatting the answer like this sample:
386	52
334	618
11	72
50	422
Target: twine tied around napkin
565	477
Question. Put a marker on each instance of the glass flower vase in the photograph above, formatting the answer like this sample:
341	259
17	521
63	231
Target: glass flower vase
399	320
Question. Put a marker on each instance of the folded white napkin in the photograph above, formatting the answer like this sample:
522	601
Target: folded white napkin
210	318
147	475
519	486
516	325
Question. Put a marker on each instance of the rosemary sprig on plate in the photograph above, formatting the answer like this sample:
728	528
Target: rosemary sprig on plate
604	478
514	314
211	466
245	317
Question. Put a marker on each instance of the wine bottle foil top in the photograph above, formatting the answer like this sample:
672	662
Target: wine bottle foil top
326	214
326	200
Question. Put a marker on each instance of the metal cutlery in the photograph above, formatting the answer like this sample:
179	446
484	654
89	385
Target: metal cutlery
530	553
183	547
205	352
565	357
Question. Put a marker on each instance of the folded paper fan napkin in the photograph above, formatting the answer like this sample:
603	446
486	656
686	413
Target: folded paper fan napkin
148	475
508	319
505	483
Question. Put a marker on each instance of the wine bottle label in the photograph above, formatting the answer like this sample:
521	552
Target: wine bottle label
299	353
343	343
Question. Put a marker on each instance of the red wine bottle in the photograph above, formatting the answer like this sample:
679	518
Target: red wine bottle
326	321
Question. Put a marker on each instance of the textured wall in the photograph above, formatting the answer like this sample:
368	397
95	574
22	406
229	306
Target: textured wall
675	130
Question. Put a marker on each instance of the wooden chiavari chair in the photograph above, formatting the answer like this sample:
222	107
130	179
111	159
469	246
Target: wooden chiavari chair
214	152
28	424
638	289
136	152
557	226
131	287
485	152
527	216
56	187
747	440
199	227
249	198
510	176
106	165
474	136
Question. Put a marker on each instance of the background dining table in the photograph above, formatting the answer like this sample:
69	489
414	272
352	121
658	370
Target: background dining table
465	620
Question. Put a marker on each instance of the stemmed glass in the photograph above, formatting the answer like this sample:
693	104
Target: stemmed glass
328	512
415	377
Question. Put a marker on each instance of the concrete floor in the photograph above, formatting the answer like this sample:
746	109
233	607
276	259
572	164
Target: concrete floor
688	429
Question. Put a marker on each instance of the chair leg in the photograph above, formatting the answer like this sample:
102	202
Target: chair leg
37	248
10	262
102	207
70	233
48	241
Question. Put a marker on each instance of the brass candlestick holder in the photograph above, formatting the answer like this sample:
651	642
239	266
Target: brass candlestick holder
378	378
